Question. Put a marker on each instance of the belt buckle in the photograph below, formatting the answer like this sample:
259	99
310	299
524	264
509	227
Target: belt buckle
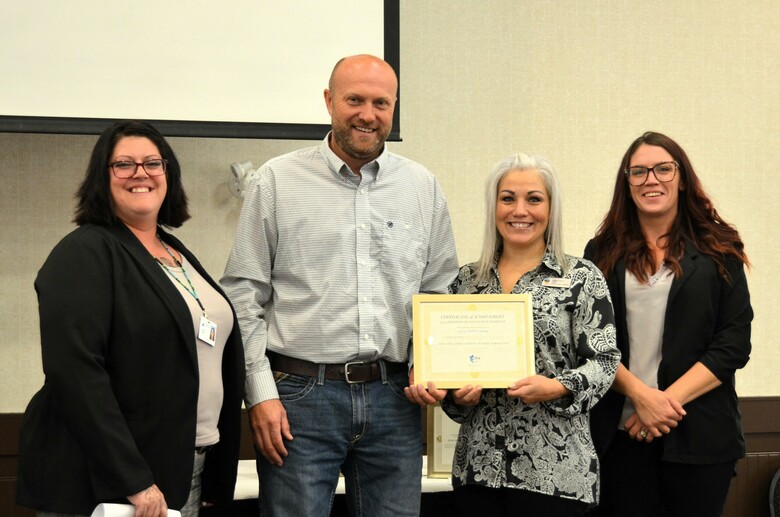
346	371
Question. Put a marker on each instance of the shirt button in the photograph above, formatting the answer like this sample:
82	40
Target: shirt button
362	226
366	337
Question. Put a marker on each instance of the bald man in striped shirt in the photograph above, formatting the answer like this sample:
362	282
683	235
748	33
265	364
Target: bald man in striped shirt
332	242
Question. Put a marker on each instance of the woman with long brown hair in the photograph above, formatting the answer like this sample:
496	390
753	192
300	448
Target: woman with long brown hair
669	433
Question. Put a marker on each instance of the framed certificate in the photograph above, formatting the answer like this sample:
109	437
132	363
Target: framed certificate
461	339
442	437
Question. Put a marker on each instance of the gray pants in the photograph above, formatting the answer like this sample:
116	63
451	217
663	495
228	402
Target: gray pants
192	506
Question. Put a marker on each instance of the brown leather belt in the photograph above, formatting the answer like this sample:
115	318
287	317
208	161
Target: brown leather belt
351	372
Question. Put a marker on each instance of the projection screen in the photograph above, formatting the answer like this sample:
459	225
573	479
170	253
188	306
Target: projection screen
234	68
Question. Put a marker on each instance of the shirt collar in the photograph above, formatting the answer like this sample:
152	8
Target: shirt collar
551	263
548	262
342	170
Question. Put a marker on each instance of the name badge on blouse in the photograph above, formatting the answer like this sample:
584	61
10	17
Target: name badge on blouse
208	331
557	282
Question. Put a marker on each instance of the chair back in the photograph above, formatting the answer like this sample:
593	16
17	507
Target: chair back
774	495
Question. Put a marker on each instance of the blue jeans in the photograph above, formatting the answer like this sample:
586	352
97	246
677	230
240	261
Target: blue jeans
368	431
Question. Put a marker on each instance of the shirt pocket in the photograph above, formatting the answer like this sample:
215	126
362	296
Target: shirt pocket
402	251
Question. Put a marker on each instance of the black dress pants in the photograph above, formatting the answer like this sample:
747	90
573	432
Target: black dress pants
636	483
478	500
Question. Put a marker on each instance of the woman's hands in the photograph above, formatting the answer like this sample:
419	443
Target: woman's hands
425	396
537	388
467	395
149	503
657	413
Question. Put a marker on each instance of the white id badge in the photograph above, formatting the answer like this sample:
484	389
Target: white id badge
557	282
208	331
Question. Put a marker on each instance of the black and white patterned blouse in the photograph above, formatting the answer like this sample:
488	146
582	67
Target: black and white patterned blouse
543	447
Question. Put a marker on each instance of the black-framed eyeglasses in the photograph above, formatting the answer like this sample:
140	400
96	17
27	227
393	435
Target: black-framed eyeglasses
124	169
664	172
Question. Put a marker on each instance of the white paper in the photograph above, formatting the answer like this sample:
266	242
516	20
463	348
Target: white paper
122	510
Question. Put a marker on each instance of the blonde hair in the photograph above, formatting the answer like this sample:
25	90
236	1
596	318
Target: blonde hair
492	242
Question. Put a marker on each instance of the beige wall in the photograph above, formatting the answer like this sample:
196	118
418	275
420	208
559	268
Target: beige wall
574	81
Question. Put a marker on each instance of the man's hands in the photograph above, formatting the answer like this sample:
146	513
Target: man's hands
270	428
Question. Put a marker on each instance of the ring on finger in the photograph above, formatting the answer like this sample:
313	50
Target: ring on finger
643	433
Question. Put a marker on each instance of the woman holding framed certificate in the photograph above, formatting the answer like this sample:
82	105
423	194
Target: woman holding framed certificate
528	445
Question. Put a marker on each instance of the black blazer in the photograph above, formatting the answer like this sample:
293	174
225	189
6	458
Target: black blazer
117	411
708	320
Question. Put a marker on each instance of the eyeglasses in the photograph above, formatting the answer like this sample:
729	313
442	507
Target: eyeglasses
124	169
664	172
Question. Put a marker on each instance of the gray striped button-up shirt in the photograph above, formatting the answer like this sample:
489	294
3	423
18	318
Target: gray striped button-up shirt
325	262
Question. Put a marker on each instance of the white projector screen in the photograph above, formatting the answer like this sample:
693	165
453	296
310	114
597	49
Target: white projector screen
233	68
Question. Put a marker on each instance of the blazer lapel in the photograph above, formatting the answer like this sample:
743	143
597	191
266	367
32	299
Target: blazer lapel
161	285
688	265
619	279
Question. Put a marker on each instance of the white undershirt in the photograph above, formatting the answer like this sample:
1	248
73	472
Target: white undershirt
209	357
645	315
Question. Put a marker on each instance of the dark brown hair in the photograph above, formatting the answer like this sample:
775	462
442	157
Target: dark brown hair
94	202
619	234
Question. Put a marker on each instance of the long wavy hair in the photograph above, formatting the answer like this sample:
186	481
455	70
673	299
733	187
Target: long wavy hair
620	236
492	242
94	202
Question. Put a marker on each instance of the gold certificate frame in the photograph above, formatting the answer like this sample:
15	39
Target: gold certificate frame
472	339
442	438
